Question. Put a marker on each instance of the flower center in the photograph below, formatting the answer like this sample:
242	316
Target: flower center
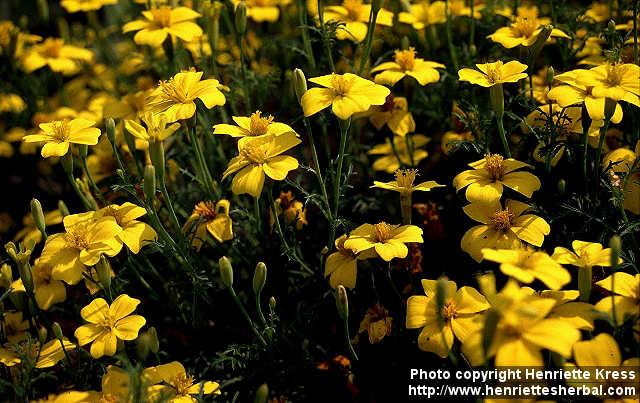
340	85
384	231
206	210
405	178
354	8
259	125
108	321
109	398
182	383
502	220
111	211
42	275
494	72
615	73
61	130
494	164
173	92
51	48
406	58
162	16
257	154
448	311
77	238
525	26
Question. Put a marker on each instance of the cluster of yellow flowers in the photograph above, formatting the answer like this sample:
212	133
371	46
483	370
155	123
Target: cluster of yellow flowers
161	111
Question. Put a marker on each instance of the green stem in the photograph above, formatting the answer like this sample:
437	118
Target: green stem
452	50
92	183
344	131
308	50
597	169
256	213
252	325
373	16
259	309
503	136
325	40
207	179
316	167
347	338
584	283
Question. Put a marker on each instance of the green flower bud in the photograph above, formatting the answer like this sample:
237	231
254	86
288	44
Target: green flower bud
299	83
103	270
64	210
226	271
342	302
156	154
259	278
57	331
38	217
26	277
262	394
43	10
42	335
615	243
550	74
272	304
111	131
562	186
404	43
241	18
542	38
473	50
149	184
146	343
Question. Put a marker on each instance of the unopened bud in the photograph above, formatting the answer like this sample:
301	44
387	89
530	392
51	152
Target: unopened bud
550	74
473	50
6	276
156	154
272	304
562	186
42	335
611	26
38	217
64	210
111	131
542	38
26	277
43	10
615	243
226	271
299	83
259	278
146	343
241	18
103	270
57	330
149	184
342	302
262	394
404	43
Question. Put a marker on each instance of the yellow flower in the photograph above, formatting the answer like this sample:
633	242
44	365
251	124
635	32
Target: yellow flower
44	357
341	266
255	125
523	329
30	233
598	12
404	182
73	6
489	176
395	114
526	265
156	129
47	290
354	15
346	93
59	134
626	299
178	386
502	228
579	314
294	210
59	57
391	160
494	73
387	240
135	234
14	326
259	156
211	217
264	10
407	64
620	82
175	97
108	324
523	31
423	13
585	255
158	23
621	161
376	323
11	103
80	246
459	315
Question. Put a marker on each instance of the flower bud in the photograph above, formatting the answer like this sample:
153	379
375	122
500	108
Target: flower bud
103	270
609	108
441	292
64	210
542	38
156	154
21	253
615	243
241	18
226	271
131	142
111	131
562	186
272	304
42	335
43	10
342	302
259	278
550	74
404	43
38	217
57	331
146	343
149	184
473	50
299	83
262	394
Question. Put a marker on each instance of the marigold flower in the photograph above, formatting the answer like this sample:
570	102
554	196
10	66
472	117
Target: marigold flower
254	125
47	291
459	315
585	255
30	233
376	323
489	176
391	160
494	73
156	129
60	58
626	299
294	210
619	82
579	314
346	93
423	13
73	6
59	134
178	386
354	14
526	265
14	326
523	31
80	246
259	156
502	228
264	10
45	356
407	64
210	217
175	97
11	103
395	114
108	324
621	161
158	23
404	182
341	266
386	239
135	234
